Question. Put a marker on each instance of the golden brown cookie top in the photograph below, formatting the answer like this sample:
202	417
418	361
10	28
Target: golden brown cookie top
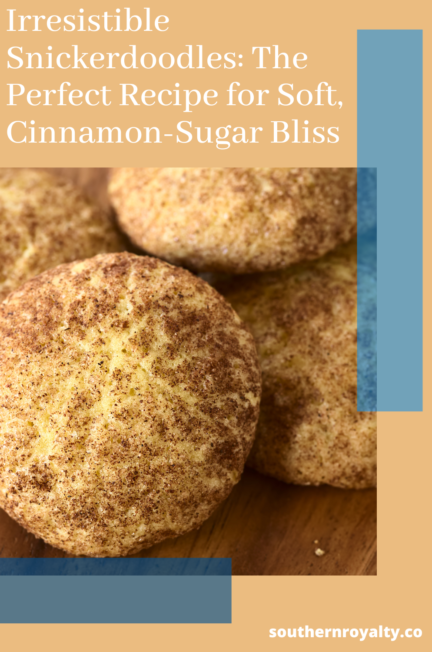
46	221
129	396
237	220
304	321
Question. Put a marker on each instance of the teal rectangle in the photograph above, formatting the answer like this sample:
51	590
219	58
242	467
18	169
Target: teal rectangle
367	290
389	137
193	566
108	599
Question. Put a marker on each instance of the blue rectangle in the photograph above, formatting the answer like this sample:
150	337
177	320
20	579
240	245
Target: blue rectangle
110	566
389	137
169	599
144	590
366	289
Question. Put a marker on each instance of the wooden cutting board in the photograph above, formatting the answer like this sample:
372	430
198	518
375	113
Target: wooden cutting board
267	527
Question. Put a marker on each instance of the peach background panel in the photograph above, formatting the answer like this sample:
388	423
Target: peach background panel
326	32
399	596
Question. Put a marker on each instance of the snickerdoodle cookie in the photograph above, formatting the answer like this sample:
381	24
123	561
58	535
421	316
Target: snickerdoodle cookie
129	397
304	322
46	221
236	220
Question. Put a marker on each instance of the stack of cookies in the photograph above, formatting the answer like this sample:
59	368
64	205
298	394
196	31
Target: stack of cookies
130	388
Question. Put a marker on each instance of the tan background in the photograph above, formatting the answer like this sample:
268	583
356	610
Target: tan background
225	27
399	595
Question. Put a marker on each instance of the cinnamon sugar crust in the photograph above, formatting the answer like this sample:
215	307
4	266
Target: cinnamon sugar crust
236	220
129	397
46	221
305	326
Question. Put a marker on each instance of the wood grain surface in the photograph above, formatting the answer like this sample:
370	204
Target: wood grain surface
267	527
